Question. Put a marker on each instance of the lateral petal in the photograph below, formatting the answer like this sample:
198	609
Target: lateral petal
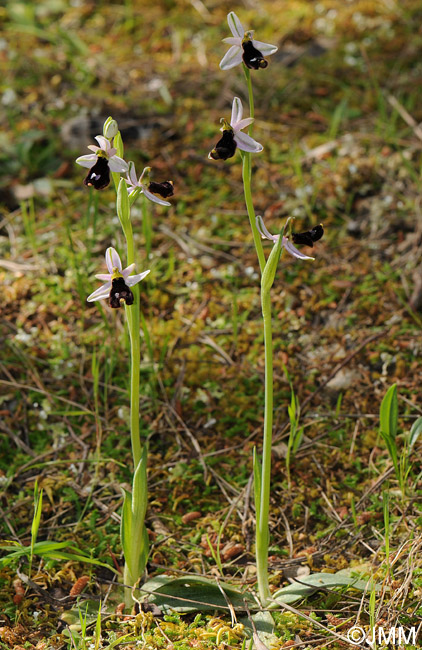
242	124
128	270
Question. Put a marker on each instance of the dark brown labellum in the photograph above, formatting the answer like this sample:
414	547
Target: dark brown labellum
120	291
99	175
225	148
165	189
309	236
252	58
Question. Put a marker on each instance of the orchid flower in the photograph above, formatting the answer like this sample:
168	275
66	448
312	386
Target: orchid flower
149	189
117	281
244	47
100	163
285	242
233	137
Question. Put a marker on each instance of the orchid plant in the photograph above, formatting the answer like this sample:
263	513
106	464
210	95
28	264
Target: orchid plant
250	53
121	289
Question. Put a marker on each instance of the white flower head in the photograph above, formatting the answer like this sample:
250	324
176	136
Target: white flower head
149	189
285	242
101	162
244	48
233	137
117	281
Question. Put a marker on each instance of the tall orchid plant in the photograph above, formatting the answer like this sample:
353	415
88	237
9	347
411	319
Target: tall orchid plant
250	54
121	288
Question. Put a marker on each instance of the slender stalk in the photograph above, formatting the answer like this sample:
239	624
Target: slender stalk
132	313
262	531
246	175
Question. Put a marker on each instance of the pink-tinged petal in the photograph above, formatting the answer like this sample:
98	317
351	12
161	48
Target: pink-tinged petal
246	143
154	198
294	251
237	111
104	277
103	142
113	260
242	124
132	174
263	230
117	164
232	40
93	147
100	293
134	279
128	270
111	152
231	58
235	25
265	48
87	161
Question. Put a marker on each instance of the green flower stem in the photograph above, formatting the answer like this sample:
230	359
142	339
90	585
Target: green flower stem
262	526
133	320
246	175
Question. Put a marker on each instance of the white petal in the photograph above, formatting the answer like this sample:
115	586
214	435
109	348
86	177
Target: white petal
242	124
105	277
132	174
232	40
100	293
237	111
235	25
246	143
294	251
93	147
265	48
103	142
87	161
154	198
263	230
231	58
117	164
134	279
113	260
128	270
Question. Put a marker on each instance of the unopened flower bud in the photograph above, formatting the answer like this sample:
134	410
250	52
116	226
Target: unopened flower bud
110	129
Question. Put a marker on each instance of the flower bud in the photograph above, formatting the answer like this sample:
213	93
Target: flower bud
110	128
